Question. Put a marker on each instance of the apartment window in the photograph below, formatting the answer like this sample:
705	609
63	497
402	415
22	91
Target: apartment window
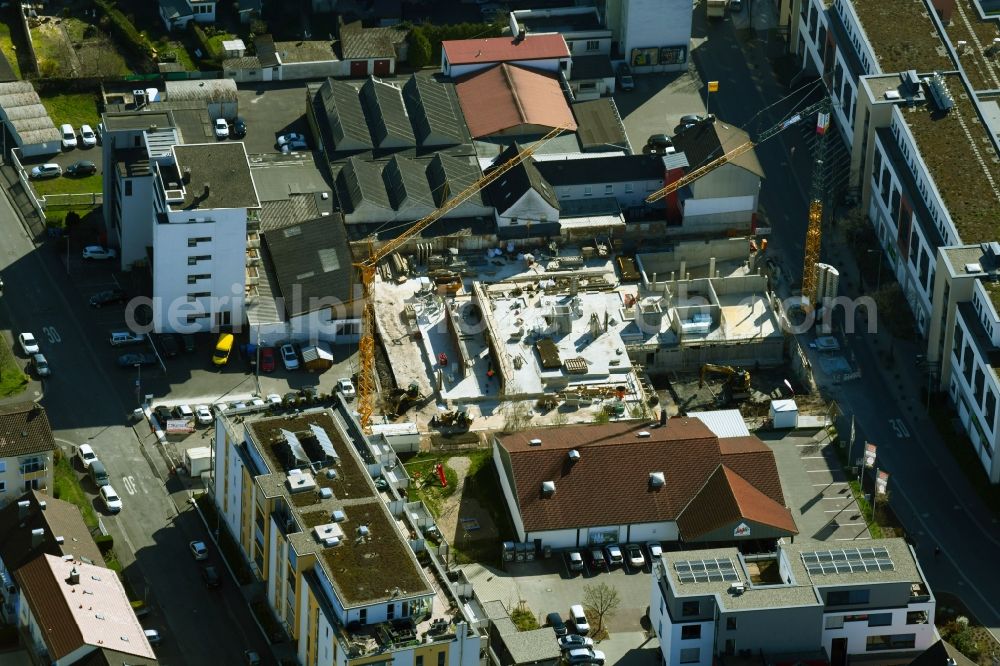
363	619
609	189
730	624
880	619
690	632
891	642
916	617
959	339
690	608
593	45
193	242
390	612
128	188
3	486
3	467
628	188
193	261
587	190
691	656
419	660
894	208
990	407
856	618
441	658
967	364
193	279
32	464
847	597
835	622
980	380
877	168
886	183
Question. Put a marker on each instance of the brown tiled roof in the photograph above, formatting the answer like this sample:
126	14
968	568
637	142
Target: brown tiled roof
58	519
727	498
55	619
507	96
746	444
24	429
609	484
746	456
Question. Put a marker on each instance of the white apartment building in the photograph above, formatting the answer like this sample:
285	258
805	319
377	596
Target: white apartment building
854	601
296	492
651	35
204	201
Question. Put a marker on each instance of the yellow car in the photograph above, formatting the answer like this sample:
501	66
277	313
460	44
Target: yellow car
222	349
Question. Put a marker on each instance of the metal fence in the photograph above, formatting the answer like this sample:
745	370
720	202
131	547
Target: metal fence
65	201
22	176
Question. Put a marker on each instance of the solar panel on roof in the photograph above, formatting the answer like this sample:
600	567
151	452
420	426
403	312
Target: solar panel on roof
848	560
324	441
295	445
707	570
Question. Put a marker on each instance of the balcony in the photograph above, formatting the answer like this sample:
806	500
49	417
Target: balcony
919	593
30	473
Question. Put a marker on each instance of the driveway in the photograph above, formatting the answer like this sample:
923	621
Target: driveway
657	103
271	110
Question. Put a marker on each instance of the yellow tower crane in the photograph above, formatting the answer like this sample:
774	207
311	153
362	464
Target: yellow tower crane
368	266
817	193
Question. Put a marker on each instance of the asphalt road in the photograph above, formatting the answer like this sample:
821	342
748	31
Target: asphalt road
928	491
85	403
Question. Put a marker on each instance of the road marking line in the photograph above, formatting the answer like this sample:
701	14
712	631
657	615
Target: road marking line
857	538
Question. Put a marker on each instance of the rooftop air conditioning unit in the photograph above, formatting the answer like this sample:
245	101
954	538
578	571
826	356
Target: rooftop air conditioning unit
535	442
737	588
548	488
574	455
642	433
657	480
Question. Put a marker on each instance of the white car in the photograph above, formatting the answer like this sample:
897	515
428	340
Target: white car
86	455
292	141
111	500
68	136
203	414
29	345
184	412
99	252
87	136
221	128
41	365
48	170
575	642
634	554
289	357
655	550
346	387
257	403
199	550
273	399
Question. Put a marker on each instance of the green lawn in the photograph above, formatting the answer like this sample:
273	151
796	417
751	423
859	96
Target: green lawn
68	488
7	46
73	108
12	377
215	44
68	184
57	218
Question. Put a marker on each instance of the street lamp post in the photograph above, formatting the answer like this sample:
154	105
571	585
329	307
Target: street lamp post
138	383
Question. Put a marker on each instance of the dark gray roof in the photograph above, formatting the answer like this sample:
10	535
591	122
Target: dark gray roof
448	176
562	23
136	120
434	111
592	67
24	429
360	43
599	125
286	212
406	183
708	140
611	169
220	176
361	181
57	519
174	9
388	122
311	260
345	116
506	190
266	51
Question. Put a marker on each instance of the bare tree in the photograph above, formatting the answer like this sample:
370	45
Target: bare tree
603	600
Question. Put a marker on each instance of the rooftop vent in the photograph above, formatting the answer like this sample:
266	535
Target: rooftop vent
74	576
208	188
548	488
338	516
37	536
657	480
736	589
187	174
42	505
893	95
300	482
535	442
60	540
939	92
325	493
329	534
642	434
22	509
574	455
973	268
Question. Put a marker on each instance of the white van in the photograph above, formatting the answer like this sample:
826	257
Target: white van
579	619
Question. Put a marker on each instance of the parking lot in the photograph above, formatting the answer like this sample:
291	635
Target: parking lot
271	110
815	486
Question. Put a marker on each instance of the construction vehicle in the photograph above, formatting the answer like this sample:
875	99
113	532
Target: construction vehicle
399	400
817	187
737	385
455	418
368	267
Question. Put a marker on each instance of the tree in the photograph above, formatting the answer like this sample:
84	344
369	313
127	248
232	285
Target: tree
420	51
603	600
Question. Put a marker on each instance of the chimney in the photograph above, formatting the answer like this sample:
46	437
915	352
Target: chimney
548	488
37	536
574	455
22	509
945	8
208	188
187	175
74	577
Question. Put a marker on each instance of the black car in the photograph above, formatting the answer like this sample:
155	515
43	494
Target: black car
130	360
163	414
597	559
240	128
555	621
687	122
211	576
657	143
81	168
168	345
107	297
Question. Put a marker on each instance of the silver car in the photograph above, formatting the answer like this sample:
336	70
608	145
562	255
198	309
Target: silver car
41	365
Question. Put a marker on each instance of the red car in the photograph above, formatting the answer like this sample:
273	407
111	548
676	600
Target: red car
267	359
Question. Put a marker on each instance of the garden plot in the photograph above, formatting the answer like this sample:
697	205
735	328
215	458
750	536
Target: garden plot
71	48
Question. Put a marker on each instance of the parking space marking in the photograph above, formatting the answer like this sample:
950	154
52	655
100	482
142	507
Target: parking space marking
813	457
860	537
831	483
